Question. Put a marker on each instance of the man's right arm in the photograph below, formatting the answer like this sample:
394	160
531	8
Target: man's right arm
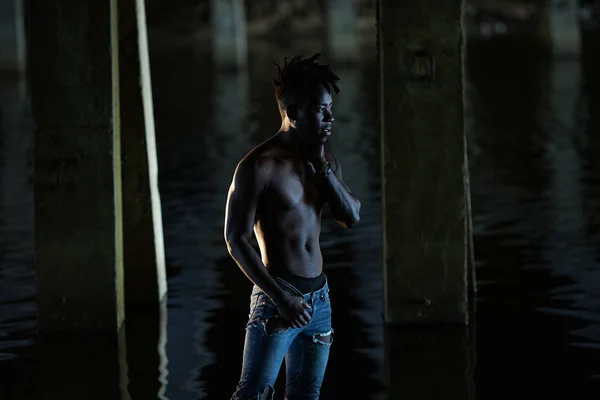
249	181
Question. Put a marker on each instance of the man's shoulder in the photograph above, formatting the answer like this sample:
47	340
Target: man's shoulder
262	160
266	155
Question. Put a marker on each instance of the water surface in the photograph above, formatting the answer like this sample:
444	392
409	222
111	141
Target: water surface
533	141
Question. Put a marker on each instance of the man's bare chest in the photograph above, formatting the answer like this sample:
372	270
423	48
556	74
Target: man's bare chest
294	192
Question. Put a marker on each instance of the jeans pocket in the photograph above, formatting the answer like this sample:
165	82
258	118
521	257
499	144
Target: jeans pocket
261	307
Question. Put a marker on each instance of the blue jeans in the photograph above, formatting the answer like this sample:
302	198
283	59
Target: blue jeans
306	349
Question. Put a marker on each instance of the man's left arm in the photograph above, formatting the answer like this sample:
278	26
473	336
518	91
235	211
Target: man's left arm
345	207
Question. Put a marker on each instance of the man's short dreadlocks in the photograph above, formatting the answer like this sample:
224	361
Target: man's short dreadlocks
300	75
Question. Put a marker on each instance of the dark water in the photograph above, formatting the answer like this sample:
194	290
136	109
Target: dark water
534	140
204	128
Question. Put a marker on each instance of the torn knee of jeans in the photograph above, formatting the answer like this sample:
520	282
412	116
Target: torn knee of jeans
323	338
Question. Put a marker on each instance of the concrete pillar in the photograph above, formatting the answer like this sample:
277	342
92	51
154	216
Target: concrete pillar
12	38
425	213
231	110
21	40
144	257
87	110
567	239
229	35
560	30
342	36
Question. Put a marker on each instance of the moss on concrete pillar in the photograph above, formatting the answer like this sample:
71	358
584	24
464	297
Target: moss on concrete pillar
87	112
425	214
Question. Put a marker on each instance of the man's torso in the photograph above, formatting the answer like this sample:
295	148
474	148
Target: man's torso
288	215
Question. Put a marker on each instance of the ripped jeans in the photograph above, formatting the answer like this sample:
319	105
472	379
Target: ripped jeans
306	349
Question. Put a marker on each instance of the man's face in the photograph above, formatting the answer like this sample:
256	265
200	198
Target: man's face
314	117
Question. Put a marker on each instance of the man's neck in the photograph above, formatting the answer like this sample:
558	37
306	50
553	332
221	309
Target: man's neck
287	133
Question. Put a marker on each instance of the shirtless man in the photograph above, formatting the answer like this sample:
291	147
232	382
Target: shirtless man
278	191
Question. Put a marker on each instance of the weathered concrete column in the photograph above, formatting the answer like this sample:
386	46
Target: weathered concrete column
566	190
560	30
229	35
425	218
342	36
86	110
12	38
144	257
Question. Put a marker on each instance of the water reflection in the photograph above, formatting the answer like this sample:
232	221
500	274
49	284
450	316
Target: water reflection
535	173
568	249
144	375
535	243
93	367
352	257
190	155
435	362
17	306
206	286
